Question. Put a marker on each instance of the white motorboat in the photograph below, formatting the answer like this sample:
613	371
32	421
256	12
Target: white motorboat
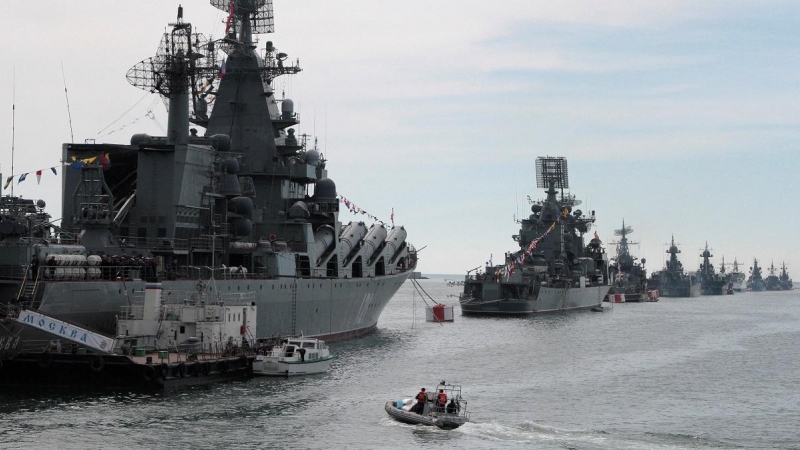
452	415
294	356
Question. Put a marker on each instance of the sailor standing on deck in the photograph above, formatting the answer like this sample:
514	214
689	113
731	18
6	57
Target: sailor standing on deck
421	399
442	400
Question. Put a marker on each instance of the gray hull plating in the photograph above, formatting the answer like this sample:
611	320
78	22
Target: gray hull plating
549	300
332	309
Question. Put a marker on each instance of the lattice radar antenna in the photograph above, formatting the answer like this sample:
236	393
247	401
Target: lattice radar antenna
624	231
182	58
552	170
259	13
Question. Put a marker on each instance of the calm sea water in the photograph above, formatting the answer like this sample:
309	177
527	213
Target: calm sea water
708	372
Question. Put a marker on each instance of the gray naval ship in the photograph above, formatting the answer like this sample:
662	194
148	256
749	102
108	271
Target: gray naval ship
772	282
553	270
628	276
756	282
245	207
672	281
786	281
711	282
738	279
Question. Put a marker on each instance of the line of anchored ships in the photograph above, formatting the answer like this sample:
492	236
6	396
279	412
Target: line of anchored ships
674	282
555	270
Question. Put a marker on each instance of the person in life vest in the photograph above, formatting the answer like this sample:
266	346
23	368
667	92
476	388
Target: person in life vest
421	399
442	399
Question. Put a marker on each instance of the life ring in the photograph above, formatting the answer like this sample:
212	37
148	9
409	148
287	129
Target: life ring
98	363
45	360
272	238
181	370
149	373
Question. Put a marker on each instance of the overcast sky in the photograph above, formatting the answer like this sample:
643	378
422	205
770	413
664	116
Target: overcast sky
678	116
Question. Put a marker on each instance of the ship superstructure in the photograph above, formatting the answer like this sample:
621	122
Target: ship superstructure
553	270
246	205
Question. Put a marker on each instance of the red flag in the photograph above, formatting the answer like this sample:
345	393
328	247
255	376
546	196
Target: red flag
38	176
230	18
104	161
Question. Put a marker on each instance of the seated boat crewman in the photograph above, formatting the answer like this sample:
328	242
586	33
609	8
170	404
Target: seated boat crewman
452	407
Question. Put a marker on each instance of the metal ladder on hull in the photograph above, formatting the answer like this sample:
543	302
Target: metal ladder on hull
28	287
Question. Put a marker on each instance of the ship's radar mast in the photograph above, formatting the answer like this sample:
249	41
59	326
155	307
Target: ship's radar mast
552	171
624	231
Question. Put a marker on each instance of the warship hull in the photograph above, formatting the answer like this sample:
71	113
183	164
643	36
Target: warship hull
331	309
549	300
685	290
738	285
715	289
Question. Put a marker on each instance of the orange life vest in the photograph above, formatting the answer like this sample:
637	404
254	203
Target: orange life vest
442	398
421	397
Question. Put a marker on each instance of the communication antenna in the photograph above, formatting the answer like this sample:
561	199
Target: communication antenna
13	121
69	114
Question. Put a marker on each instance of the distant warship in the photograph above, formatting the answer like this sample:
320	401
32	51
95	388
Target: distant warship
772	282
755	282
628	277
552	271
738	278
712	283
246	207
786	282
672	281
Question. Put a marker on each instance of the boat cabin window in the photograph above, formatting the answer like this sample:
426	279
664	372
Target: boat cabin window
308	345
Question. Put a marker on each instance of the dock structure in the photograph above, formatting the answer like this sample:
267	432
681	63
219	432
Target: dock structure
159	346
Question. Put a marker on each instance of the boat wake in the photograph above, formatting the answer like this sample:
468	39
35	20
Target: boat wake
544	436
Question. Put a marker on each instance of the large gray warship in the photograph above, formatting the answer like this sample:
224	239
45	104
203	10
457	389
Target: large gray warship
738	278
786	281
772	282
755	282
246	206
711	282
552	271
672	281
628	276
